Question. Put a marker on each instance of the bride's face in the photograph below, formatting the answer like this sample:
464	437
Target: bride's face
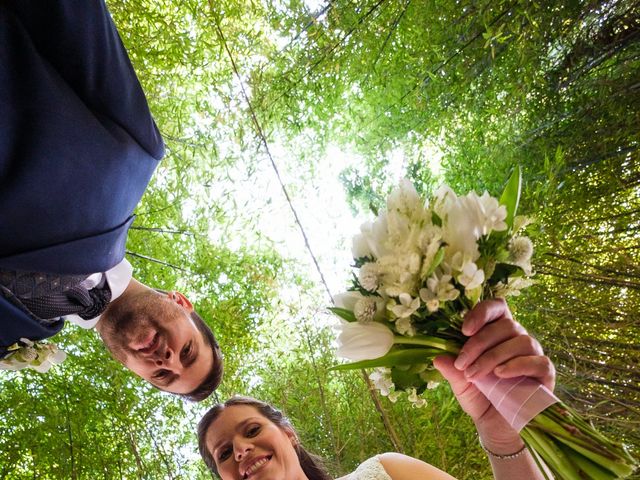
245	444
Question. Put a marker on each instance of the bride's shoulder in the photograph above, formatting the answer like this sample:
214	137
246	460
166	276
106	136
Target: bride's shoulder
396	466
371	469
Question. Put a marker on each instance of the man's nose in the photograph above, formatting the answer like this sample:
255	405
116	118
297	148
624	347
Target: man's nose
164	356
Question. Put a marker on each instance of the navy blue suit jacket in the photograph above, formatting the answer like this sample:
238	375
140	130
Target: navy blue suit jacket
78	145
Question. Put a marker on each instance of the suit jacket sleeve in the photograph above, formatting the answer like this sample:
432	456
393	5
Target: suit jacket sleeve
79	40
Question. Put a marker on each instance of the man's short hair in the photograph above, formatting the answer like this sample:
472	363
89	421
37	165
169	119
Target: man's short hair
214	377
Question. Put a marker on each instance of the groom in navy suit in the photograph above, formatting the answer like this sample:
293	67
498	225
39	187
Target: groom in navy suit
78	147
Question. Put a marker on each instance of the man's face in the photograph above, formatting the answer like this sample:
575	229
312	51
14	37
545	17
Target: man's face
154	336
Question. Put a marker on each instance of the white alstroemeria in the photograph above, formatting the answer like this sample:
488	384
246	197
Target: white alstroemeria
432	385
365	309
393	396
492	214
430	299
457	262
443	287
405	327
369	276
416	401
461	230
358	341
439	289
407	306
40	356
520	252
381	378
471	276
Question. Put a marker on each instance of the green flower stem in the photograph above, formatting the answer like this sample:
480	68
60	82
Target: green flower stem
537	457
563	415
553	456
586	441
435	342
593	470
620	469
572	433
543	450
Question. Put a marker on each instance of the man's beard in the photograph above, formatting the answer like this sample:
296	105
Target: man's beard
120	332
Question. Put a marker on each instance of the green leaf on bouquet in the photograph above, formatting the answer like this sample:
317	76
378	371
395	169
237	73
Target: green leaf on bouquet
360	261
406	379
343	313
510	197
407	356
435	219
437	260
431	375
504	271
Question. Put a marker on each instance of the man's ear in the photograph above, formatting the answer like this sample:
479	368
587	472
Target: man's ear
181	300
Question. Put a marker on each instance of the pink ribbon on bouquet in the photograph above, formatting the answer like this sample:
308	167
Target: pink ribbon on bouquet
518	399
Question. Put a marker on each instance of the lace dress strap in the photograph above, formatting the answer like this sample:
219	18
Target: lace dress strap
370	469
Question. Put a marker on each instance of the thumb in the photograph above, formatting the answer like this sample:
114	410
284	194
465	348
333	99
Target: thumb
455	377
470	398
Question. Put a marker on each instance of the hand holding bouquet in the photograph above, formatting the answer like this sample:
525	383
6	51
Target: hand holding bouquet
421	268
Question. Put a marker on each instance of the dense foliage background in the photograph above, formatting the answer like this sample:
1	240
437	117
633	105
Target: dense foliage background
456	91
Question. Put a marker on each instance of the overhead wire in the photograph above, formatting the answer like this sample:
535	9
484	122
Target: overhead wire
372	391
265	145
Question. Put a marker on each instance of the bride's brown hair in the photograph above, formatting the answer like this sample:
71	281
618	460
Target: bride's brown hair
311	464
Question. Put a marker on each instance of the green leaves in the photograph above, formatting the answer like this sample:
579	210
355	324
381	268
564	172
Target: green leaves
437	260
510	197
503	271
343	313
407	356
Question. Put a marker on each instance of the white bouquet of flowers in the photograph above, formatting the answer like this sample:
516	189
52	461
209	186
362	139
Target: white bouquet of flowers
40	356
420	267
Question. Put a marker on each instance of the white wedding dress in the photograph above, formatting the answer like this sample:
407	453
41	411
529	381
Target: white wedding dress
370	469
